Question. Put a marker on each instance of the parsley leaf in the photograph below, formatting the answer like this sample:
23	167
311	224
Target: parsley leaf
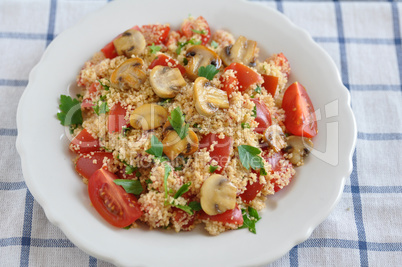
212	169
101	108
245	125
180	45
131	186
194	42
70	111
105	87
156	148
254	112
199	31
130	169
208	72
196	206
258	89
249	158
250	218
155	48
214	44
187	209
183	189
176	119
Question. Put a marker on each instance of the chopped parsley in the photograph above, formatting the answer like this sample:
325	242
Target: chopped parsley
131	186
249	158
254	114
101	108
164	101
185	61
212	169
156	148
176	119
180	45
250	218
214	44
257	89
178	168
196	206
70	111
155	48
183	189
245	125
208	72
199	31
105	87
167	173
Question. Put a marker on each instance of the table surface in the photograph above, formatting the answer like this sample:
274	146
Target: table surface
364	40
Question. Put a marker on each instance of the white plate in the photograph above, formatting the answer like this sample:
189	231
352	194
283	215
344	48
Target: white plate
290	216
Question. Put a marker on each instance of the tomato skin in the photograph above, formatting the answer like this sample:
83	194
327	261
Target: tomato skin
277	167
263	116
251	191
109	51
104	193
270	83
245	75
229	84
116	118
188	26
180	216
300	117
164	60
87	103
233	216
84	142
88	164
222	149
155	33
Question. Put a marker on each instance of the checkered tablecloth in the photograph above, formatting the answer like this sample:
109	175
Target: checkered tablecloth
364	40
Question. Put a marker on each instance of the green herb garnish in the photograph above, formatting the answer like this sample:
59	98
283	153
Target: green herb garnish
214	44
156	148
183	189
101	108
254	112
249	157
250	218
212	169
245	125
257	89
208	72
176	120
70	111
167	173
155	48
181	45
105	87
196	206
131	186
199	31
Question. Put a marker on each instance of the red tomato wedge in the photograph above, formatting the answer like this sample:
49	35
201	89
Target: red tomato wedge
263	116
116	118
229	84
155	33
84	142
299	110
109	51
87	103
245	75
233	216
164	60
111	201
199	25
222	149
279	165
183	218
251	191
89	163
270	83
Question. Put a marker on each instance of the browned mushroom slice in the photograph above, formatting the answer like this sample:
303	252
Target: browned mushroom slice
130	74
130	43
174	146
242	51
148	116
166	82
275	137
218	195
208	99
198	56
299	147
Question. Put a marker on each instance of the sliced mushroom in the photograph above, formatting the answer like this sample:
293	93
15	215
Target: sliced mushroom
275	137
208	99
243	51
173	145
130	73
130	43
198	56
218	195
166	82
148	116
299	147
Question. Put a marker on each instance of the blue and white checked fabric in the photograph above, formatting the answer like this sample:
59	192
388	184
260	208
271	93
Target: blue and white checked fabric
363	38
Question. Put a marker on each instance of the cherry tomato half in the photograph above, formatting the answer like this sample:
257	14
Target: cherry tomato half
164	60
263	116
233	216
116	118
84	142
109	51
251	191
299	110
111	201
191	27
155	33
246	76
88	164
222	149
270	83
229	84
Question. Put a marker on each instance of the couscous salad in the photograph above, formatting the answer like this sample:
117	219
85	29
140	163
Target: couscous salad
179	127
